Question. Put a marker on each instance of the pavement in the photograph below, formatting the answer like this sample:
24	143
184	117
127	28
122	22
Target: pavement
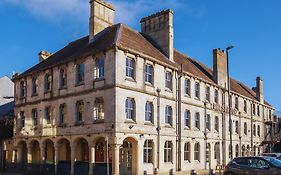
177	173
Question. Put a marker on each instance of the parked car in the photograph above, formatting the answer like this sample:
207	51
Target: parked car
253	166
272	154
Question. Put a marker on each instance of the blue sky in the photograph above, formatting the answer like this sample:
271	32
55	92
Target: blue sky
253	26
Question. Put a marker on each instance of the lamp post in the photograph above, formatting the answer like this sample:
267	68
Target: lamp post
229	101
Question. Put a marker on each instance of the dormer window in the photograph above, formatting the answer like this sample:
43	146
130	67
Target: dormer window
47	82
99	68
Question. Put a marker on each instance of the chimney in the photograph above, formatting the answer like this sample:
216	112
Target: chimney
220	67
102	16
43	55
160	28
259	89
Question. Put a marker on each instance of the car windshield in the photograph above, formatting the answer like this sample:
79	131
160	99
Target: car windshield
274	161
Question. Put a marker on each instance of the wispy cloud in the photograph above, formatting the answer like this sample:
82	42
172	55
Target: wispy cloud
127	11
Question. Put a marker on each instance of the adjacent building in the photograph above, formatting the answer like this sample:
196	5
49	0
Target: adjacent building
129	102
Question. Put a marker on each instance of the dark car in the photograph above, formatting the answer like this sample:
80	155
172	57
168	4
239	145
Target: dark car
253	166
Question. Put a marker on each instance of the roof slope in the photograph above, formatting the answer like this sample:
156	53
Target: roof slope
122	36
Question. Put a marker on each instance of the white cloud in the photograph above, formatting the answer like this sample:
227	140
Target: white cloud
127	11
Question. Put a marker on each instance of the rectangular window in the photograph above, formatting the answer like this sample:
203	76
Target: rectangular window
130	68
100	68
187	152
99	109
197	90
208	122
47	115
130	108
79	111
217	123
63	78
207	93
197	120
169	115
258	110
216	96
34	86
187	87
187	119
34	117
47	82
149	73
149	111
22	89
254	109
168	152
62	114
21	120
245	106
80	73
148	151
236	103
168	80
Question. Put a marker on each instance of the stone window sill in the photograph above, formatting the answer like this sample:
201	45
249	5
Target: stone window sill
63	88
80	84
79	123
130	121
63	125
130	79
97	121
148	123
148	84
99	79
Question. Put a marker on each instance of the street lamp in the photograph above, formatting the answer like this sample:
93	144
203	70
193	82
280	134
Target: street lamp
229	101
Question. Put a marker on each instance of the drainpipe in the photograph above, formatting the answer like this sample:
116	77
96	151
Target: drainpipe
224	130
240	133
179	120
158	127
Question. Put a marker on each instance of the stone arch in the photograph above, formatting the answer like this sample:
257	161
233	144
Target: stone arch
64	150
22	152
49	151
82	149
35	152
128	156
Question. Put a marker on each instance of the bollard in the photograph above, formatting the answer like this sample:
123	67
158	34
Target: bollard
193	172
145	172
172	172
156	171
212	172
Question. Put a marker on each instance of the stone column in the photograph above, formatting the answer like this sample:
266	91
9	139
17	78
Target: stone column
42	153
115	161
56	146
29	154
91	158
73	157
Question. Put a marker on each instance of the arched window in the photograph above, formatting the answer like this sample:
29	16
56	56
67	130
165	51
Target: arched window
243	150
100	68
149	112
169	115
187	118
34	86
187	151
130	108
197	151
22	89
168	152
148	151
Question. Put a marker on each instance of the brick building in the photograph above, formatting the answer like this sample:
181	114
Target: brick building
130	101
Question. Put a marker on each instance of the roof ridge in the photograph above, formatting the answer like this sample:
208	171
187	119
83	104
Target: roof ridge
119	31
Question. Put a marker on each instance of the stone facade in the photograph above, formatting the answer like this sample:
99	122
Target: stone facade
139	111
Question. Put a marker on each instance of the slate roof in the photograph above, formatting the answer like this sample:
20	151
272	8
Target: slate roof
7	110
124	37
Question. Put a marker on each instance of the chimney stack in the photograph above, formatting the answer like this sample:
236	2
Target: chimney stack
160	28
220	67
259	89
43	55
102	16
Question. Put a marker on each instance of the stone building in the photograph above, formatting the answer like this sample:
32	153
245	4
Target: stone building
129	102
